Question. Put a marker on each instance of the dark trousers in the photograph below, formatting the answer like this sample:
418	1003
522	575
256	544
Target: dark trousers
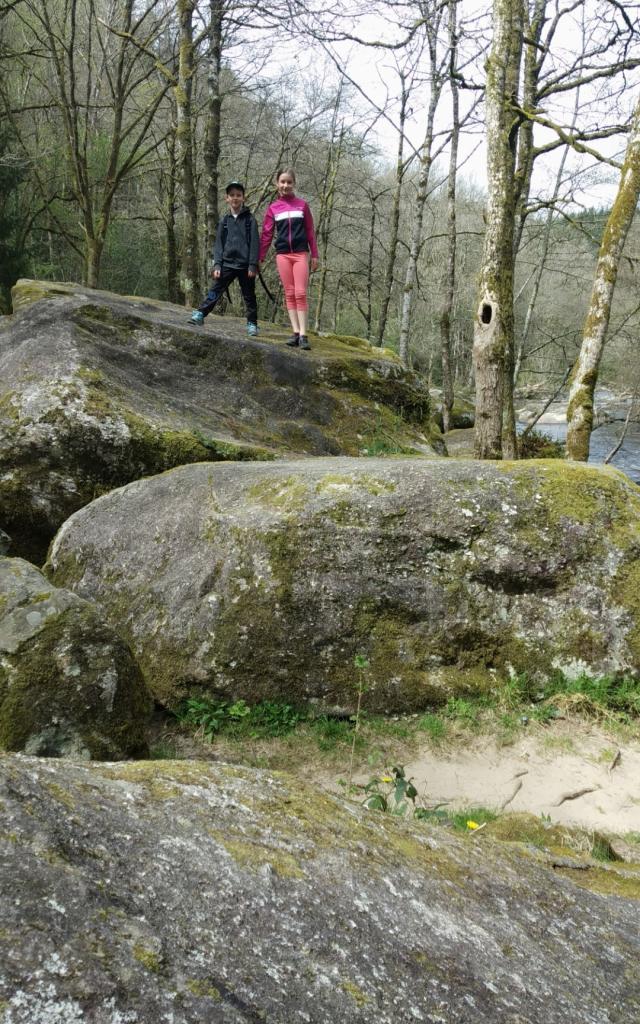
220	285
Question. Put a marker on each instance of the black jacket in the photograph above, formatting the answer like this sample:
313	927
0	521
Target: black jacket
236	243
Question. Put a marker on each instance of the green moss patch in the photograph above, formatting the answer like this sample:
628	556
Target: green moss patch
287	494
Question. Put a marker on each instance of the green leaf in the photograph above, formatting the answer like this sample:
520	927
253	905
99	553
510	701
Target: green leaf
376	802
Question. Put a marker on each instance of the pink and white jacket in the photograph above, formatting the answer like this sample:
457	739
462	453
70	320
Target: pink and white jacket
290	218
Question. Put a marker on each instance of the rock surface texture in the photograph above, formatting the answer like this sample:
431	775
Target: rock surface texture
97	390
174	893
265	580
69	686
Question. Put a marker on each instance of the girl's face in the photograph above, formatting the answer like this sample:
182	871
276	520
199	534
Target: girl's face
285	185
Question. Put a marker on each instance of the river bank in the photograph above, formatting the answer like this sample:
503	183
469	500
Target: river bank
610	413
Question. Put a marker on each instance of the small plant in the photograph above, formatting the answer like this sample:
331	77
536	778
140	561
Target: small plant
536	445
464	711
379	442
601	849
601	696
361	665
331	732
391	793
434	726
267	718
163	751
207	714
471	818
544	713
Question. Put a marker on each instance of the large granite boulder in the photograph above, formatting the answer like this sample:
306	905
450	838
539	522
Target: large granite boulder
97	390
145	893
265	580
69	686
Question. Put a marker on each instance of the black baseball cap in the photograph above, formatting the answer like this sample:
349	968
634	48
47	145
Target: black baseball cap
235	184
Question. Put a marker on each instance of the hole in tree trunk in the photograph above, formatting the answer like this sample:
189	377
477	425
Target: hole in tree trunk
486	313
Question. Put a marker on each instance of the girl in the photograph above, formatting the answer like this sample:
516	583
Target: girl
291	219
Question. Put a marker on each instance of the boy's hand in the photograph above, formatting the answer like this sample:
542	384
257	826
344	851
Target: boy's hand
215	272
252	273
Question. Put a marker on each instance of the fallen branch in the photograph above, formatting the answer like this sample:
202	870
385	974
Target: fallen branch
616	760
529	427
574	796
516	790
614	451
567	862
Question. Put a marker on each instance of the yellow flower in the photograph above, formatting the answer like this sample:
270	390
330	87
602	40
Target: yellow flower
386	778
472	825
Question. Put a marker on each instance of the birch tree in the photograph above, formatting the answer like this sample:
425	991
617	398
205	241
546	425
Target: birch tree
585	374
433	17
450	276
327	199
394	221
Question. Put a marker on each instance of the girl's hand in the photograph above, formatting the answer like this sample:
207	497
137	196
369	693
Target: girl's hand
314	264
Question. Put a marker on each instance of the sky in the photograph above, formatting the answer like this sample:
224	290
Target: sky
375	74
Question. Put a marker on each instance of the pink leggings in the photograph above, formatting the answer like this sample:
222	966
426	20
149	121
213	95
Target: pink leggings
293	268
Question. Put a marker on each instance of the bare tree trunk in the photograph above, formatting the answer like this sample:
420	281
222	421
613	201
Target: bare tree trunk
372	238
336	307
449	290
395	216
542	259
585	374
493	333
184	137
173	290
214	122
533	59
327	201
426	159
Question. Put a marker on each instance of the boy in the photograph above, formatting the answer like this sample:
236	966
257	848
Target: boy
235	255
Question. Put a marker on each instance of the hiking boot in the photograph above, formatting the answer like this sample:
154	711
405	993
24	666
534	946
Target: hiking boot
252	329
293	341
304	342
197	317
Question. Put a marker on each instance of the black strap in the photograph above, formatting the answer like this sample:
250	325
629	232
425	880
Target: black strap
265	286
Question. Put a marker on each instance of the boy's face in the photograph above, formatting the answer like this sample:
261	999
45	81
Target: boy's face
235	199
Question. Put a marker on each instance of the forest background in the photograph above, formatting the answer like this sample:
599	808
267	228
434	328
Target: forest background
122	121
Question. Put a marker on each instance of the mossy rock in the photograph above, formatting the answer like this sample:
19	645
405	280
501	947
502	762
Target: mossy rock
264	581
68	685
126	886
99	390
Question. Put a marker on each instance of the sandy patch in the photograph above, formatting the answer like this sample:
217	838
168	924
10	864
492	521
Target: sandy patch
576	775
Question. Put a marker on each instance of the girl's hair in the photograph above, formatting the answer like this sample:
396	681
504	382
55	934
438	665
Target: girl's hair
286	170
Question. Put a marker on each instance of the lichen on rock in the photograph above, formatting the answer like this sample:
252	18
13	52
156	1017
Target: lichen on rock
99	390
163	891
69	686
261	581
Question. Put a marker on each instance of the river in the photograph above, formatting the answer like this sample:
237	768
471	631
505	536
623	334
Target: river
603	438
